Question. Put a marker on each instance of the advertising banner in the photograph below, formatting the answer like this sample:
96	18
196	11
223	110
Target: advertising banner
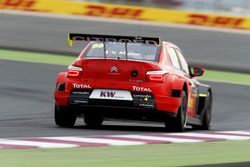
127	12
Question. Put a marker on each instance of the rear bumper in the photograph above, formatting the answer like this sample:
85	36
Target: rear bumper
156	107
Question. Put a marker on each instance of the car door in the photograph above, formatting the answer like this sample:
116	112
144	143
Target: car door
192	87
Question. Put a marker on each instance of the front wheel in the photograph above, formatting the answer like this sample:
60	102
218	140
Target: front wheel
64	117
179	123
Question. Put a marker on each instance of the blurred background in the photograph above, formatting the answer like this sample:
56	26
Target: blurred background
238	7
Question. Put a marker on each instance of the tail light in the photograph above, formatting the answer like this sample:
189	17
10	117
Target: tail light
156	76
74	71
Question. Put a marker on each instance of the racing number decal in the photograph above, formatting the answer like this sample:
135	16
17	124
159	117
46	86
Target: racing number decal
98	45
218	21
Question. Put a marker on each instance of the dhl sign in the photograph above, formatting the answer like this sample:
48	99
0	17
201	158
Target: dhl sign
104	11
127	12
17	4
216	21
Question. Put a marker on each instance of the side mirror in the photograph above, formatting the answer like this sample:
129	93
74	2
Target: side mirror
197	71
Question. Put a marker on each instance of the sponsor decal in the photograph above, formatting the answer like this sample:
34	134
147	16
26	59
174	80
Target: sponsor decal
203	95
107	94
81	93
111	94
190	103
218	21
146	105
141	89
81	86
142	96
81	101
110	11
144	101
99	38
18	4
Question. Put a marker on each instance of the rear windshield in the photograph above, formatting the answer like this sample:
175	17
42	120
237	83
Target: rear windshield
116	50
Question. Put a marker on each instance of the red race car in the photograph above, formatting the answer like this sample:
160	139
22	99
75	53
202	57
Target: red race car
133	78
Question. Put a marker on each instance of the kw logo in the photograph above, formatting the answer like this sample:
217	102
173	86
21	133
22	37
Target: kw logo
113	69
107	94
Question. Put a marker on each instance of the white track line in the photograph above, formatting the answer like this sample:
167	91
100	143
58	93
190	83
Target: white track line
36	144
220	136
177	138
167	139
98	140
236	132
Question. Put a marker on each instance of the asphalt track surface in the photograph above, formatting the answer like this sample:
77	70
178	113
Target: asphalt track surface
26	96
210	48
27	103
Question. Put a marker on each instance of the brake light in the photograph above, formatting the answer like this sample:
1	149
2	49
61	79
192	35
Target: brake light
74	72
156	76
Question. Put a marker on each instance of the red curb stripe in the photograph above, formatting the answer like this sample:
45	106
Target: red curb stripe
187	137
125	138
55	141
134	140
11	146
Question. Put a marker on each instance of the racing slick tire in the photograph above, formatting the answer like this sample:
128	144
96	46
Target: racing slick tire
64	117
178	123
93	121
206	120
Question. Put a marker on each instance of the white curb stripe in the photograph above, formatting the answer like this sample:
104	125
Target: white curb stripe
68	142
98	140
168	139
236	132
36	144
226	137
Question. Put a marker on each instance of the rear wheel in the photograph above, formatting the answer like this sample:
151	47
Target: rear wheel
178	123
64	117
93	121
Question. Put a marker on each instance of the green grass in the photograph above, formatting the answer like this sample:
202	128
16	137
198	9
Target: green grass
218	76
226	77
128	156
36	57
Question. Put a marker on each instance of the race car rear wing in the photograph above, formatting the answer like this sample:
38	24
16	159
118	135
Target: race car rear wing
112	38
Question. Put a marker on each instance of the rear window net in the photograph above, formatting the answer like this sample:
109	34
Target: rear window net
120	51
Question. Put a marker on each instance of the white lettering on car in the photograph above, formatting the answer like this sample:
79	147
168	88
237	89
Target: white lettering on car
101	39
81	86
141	89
